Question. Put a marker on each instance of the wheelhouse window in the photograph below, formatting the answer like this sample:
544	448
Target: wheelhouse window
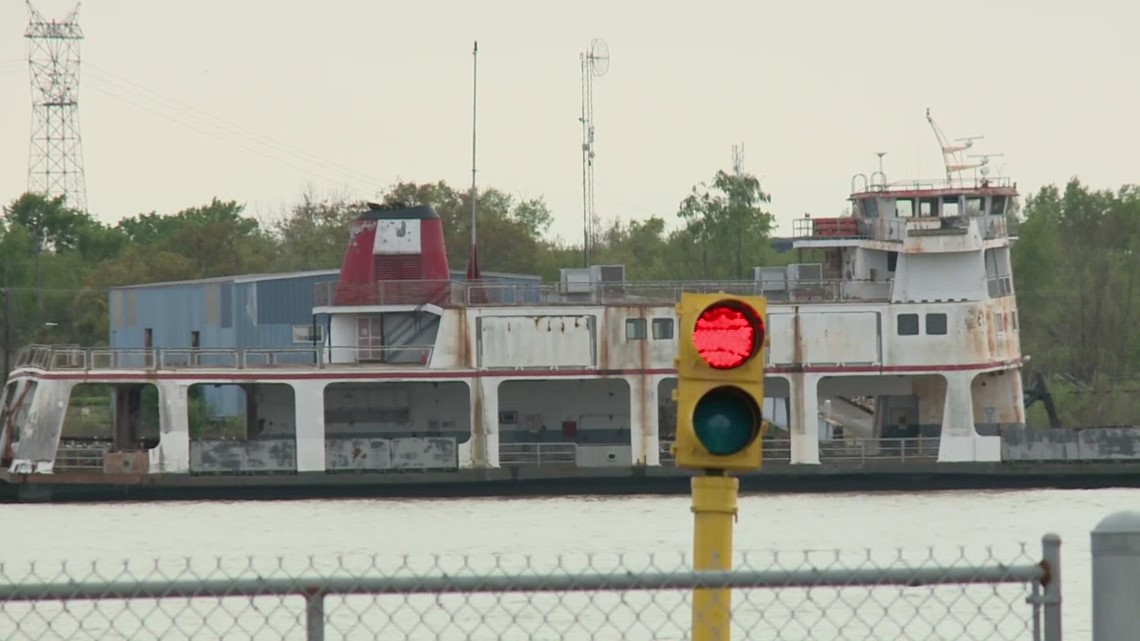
936	324
908	324
635	329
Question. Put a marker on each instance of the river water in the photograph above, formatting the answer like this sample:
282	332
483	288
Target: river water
959	526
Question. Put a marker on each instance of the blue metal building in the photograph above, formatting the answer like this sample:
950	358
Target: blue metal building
242	312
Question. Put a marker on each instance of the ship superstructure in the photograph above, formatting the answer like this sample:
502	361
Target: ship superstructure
911	317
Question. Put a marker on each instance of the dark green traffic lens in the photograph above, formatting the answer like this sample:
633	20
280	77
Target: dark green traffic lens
726	420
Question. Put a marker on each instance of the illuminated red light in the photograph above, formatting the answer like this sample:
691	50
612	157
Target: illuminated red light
727	335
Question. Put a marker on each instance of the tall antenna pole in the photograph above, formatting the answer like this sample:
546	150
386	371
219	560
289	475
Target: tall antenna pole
587	156
55	163
595	62
473	255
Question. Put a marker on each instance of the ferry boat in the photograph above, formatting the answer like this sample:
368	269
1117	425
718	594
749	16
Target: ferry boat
909	326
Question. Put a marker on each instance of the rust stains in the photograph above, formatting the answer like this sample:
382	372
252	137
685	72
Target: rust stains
466	353
602	335
797	341
643	389
798	418
979	336
479	455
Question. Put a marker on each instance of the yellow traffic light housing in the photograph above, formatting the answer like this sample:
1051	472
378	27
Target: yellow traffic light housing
720	381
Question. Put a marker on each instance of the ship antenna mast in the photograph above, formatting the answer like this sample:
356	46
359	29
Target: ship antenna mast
595	63
952	151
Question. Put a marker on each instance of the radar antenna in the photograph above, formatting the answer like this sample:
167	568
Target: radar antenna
984	167
595	62
952	152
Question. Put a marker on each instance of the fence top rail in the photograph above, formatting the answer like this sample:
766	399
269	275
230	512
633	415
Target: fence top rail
567	582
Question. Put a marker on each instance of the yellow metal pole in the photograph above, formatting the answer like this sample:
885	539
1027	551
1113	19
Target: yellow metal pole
714	512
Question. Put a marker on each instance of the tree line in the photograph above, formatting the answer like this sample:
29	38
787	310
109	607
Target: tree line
1076	264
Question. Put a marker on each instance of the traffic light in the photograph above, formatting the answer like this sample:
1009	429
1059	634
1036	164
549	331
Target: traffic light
720	381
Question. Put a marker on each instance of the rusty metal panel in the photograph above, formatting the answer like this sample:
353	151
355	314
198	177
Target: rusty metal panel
232	457
1090	444
825	337
126	463
271	455
357	454
1035	444
1109	443
424	454
39	424
539	341
217	457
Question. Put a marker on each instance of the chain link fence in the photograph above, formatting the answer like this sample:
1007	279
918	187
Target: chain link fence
817	596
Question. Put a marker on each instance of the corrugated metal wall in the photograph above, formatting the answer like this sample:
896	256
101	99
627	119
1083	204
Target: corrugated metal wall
267	310
172	312
229	313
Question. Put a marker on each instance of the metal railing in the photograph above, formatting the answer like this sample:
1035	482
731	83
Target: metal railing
620	293
49	357
79	456
859	451
932	184
538	454
898	229
794	596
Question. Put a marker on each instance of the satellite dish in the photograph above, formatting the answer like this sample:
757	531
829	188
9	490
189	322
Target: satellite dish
599	57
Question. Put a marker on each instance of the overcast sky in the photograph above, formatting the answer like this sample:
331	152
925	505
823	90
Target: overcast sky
257	100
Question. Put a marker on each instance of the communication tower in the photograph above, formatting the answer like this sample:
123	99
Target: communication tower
55	163
595	63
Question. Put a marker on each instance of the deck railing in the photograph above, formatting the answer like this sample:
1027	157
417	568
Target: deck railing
855	452
929	184
85	455
898	229
54	357
538	454
452	294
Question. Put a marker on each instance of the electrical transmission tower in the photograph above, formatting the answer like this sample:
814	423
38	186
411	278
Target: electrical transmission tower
55	163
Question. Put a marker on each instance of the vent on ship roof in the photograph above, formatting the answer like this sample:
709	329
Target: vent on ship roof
805	272
575	280
771	278
608	273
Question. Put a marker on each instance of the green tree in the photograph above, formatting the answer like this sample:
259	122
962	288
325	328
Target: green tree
314	234
510	230
1077	262
728	224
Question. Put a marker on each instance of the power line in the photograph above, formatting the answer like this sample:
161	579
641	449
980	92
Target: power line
209	134
128	86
